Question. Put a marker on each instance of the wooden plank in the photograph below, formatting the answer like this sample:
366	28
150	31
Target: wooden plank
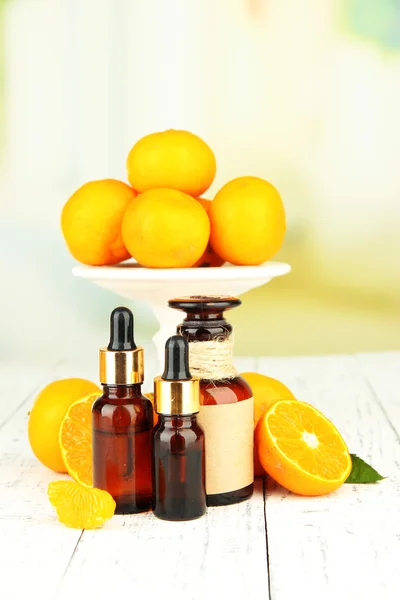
342	545
34	554
382	373
220	555
129	550
35	549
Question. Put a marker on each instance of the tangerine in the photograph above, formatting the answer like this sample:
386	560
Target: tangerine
91	222
166	228
174	159
46	416
247	221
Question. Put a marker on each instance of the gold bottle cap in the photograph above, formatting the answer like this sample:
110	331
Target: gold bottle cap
177	397
121	362
121	367
176	392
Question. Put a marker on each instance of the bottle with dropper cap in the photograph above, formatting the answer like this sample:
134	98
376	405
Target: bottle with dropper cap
178	440
122	421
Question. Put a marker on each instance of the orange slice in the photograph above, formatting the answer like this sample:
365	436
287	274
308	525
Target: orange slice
79	506
301	449
75	439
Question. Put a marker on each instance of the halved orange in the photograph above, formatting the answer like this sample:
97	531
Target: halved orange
75	439
266	390
79	506
301	449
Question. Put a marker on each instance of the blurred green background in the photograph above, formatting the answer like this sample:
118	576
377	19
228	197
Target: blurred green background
304	94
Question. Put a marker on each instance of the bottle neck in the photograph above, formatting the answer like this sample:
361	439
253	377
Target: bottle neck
212	360
205	330
178	421
113	391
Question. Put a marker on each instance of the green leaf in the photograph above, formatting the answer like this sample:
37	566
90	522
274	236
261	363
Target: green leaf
362	472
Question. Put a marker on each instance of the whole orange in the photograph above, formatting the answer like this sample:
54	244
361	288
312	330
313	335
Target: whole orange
91	221
171	159
209	257
166	228
247	221
46	416
266	391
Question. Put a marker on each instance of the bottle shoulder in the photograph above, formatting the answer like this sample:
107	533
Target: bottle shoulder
122	413
165	430
106	400
224	391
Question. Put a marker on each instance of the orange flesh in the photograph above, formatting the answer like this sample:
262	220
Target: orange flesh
79	506
76	440
308	439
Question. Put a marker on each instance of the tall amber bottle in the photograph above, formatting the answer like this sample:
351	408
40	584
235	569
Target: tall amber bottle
227	406
122	421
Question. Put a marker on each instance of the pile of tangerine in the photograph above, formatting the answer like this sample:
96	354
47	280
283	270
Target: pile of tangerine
161	218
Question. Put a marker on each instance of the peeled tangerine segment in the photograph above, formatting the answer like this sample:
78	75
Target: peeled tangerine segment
76	440
309	439
79	506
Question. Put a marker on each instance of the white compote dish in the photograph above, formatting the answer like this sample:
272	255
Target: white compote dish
156	286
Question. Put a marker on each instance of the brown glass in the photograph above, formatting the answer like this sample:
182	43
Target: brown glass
178	468
122	422
204	322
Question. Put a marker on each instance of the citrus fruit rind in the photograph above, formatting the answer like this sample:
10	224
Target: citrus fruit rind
266	391
249	209
166	228
175	159
91	222
47	414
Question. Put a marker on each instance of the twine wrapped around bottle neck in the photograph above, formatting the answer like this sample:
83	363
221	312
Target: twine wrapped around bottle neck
213	359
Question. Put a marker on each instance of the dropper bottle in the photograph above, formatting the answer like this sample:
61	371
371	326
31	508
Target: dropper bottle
122	421
178	440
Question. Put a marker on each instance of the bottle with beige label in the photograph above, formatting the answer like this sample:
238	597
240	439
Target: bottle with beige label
227	406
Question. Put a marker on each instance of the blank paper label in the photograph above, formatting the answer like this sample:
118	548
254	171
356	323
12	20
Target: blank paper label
228	430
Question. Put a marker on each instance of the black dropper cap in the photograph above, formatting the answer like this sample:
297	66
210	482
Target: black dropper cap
121	362
176	392
176	359
121	330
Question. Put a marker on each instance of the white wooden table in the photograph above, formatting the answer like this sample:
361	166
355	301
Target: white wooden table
277	545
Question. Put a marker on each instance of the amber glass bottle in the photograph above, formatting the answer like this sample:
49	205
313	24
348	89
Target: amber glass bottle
122	421
178	440
227	407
